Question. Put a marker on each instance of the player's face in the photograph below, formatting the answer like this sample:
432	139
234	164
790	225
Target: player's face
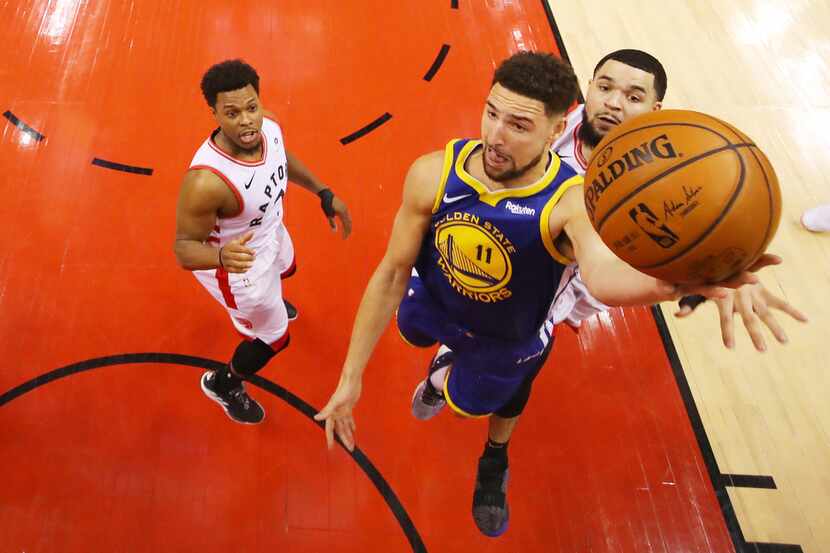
240	116
516	133
616	93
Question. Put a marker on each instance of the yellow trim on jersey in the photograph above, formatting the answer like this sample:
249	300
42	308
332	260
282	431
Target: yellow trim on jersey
544	220
452	405
405	340
494	197
445	173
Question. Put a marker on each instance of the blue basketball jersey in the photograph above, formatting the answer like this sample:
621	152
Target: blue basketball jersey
488	259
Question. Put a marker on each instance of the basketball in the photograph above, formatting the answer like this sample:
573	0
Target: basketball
682	196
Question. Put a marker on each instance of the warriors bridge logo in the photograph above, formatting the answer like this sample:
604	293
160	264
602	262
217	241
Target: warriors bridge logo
475	257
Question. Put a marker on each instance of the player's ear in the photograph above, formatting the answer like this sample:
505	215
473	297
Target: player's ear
657	106
557	129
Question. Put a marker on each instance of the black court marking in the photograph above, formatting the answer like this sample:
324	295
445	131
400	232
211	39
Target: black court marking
718	479
209	364
367	129
121	167
728	511
23	126
748	481
439	60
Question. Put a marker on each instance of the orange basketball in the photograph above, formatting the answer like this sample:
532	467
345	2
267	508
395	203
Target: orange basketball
682	196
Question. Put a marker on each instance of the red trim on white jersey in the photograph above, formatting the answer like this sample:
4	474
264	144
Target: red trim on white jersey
236	193
578	155
281	343
290	270
225	287
227	156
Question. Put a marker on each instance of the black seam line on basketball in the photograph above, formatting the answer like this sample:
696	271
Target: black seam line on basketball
767	237
748	481
439	60
23	126
677	167
659	176
367	129
121	167
383	487
706	232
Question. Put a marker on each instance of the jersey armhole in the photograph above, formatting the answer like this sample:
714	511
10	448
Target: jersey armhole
227	181
544	220
449	154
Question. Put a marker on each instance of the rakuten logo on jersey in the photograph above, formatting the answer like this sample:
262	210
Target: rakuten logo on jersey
517	209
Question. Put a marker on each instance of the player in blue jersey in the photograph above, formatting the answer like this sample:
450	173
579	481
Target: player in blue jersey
477	249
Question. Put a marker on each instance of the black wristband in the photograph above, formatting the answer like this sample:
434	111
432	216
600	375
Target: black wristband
691	301
326	201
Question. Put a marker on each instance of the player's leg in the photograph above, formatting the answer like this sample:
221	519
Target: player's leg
490	508
421	323
287	265
259	314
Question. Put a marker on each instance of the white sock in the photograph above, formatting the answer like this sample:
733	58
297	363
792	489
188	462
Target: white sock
437	378
817	219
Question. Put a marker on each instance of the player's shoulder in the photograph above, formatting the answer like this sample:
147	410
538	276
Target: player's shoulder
204	179
428	165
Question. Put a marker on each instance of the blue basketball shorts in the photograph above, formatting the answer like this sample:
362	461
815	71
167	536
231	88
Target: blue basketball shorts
486	372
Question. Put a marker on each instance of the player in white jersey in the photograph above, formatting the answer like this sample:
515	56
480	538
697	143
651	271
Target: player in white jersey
625	84
230	231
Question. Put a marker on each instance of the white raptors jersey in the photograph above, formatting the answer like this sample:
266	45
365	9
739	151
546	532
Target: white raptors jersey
573	302
569	146
259	187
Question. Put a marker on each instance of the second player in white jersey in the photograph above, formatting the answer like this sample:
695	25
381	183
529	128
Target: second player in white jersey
230	230
573	303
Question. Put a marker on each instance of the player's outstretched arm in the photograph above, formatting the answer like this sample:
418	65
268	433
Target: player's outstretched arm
383	294
614	282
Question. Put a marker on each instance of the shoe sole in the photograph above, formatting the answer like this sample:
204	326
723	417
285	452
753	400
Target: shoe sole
218	400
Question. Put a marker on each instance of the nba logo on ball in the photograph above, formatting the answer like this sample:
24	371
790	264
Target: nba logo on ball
682	196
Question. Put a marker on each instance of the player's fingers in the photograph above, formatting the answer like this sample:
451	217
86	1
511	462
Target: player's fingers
330	433
711	292
765	261
347	223
245	237
344	431
684	311
726	310
752	324
781	305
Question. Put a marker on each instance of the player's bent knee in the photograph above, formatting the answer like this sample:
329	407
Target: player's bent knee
250	357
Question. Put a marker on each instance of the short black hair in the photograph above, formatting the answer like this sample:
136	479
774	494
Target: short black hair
540	76
226	76
643	61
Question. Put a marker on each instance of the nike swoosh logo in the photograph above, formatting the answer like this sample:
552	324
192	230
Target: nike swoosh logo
451	199
247	186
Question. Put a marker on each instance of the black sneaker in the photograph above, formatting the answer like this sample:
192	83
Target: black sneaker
490	510
291	310
239	406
